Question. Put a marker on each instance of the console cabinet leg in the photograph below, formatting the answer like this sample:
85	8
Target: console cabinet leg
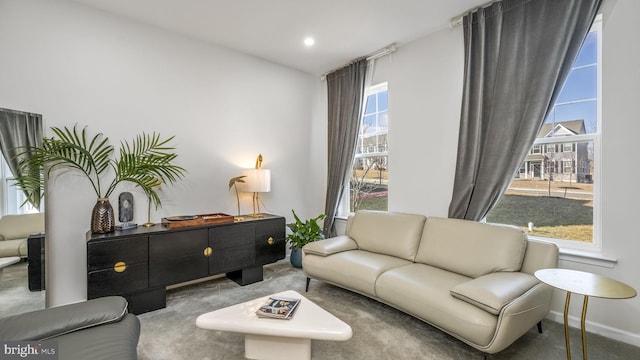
246	276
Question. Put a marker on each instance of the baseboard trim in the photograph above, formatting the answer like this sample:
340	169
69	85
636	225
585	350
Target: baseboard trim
597	328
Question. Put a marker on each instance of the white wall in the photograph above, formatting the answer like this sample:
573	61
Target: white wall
425	87
74	65
425	90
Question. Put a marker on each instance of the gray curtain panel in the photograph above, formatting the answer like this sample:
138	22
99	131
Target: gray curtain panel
345	96
18	130
518	54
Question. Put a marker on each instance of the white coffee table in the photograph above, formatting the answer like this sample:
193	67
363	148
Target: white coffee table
6	261
276	339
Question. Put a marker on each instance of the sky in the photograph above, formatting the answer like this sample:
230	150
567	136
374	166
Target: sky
578	98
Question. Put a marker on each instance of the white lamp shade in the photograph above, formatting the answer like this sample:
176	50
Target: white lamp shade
257	180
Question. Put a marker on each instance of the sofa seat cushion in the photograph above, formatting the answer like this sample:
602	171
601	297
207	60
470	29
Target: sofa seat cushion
423	291
356	270
388	233
471	248
114	341
493	291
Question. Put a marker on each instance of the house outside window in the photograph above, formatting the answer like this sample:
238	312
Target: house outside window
368	180
558	183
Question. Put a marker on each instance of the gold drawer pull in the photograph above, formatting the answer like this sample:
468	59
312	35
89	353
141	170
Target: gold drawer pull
119	267
208	251
270	240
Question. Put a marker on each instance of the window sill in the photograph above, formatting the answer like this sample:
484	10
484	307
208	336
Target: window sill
587	257
580	253
343	217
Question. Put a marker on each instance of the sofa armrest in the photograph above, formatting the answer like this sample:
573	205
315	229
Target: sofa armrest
493	291
330	246
57	321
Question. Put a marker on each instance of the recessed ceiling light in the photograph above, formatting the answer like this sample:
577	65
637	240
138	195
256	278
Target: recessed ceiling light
309	41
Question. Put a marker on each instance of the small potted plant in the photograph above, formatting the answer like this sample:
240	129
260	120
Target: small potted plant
303	233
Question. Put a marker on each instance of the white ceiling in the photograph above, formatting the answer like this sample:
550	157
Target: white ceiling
275	29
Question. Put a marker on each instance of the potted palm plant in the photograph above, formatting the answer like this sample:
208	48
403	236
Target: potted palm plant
301	234
147	162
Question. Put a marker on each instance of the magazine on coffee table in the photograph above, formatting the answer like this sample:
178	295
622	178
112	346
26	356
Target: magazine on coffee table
278	308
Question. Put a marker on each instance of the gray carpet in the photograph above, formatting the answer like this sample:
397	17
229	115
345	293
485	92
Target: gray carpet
379	331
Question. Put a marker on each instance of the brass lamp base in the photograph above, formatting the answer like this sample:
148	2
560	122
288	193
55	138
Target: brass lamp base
256	205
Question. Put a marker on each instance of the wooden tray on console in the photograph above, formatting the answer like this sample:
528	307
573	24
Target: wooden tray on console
173	222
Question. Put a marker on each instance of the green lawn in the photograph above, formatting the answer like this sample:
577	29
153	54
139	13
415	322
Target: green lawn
375	203
555	217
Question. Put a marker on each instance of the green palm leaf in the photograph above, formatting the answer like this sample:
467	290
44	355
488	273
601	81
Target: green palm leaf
68	149
147	161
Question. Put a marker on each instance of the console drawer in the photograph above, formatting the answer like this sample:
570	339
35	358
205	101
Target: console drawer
104	254
270	240
121	280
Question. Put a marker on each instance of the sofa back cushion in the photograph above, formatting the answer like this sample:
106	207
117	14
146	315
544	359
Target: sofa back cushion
471	248
21	226
388	233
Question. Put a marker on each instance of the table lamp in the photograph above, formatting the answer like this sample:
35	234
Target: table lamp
257	181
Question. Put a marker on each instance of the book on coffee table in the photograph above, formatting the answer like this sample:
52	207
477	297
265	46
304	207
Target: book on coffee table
278	308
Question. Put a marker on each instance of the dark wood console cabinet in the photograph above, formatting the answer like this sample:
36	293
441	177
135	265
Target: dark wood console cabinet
139	263
35	258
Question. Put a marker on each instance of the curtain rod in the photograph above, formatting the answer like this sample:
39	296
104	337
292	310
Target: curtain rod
372	56
455	21
382	52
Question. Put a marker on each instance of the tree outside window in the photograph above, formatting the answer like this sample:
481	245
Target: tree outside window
368	188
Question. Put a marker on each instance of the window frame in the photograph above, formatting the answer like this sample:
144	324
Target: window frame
344	204
10	193
573	246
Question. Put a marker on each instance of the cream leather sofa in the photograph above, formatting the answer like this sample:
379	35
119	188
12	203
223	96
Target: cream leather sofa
472	280
15	230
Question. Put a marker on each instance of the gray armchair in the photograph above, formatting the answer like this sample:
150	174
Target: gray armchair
96	329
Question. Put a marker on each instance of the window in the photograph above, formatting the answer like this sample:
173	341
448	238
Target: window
536	149
556	184
11	197
369	175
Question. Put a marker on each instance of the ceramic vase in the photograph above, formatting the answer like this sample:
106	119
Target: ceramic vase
102	217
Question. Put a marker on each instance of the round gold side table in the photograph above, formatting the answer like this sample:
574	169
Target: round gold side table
587	284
